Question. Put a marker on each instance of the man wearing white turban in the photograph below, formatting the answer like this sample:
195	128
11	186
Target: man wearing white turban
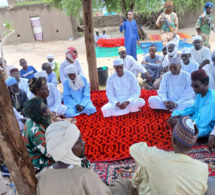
123	92
199	53
65	144
172	52
188	64
175	92
76	94
54	98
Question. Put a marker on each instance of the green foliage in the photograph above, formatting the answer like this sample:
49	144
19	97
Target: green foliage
122	6
9	28
29	2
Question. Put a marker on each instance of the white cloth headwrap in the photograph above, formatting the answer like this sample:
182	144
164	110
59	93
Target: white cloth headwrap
69	55
41	74
51	56
197	37
76	84
60	139
175	51
118	61
186	50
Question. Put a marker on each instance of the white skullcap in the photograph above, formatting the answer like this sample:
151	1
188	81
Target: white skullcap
71	69
171	43
197	37
60	138
41	74
118	61
186	50
175	61
50	56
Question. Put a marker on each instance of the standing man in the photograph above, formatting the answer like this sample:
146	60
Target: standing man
205	24
130	34
168	23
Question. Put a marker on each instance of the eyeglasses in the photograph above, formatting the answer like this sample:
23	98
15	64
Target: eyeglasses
75	52
43	110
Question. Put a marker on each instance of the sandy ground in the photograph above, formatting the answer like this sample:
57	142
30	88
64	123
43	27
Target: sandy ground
35	52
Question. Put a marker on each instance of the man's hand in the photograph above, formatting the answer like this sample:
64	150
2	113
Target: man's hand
79	108
144	62
138	42
148	76
71	120
171	105
162	21
55	117
121	21
205	62
166	104
23	120
173	121
211	143
117	104
123	105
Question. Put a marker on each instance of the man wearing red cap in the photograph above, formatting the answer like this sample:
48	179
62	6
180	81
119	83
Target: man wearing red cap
162	172
202	111
71	58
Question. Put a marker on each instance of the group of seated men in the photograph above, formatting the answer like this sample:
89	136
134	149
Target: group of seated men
185	82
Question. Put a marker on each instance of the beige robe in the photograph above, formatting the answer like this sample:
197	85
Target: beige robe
79	181
167	173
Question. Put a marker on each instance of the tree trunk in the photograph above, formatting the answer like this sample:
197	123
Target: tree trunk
13	147
90	43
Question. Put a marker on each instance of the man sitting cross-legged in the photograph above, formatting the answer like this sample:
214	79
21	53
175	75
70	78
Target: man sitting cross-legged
175	92
66	176
132	65
202	111
76	94
168	173
152	63
123	92
51	76
188	64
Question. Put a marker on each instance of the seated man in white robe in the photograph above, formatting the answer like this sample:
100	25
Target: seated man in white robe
199	53
172	52
54	98
210	70
20	119
175	92
76	94
23	83
71	58
131	64
123	92
188	64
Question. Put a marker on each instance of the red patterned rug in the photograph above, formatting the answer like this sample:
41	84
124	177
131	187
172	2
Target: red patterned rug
109	171
109	139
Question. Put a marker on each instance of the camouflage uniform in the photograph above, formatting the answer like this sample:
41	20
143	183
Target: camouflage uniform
205	24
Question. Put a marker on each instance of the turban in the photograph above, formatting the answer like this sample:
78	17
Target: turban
50	56
209	4
198	75
71	69
76	84
174	53
13	70
10	81
121	49
60	139
41	74
175	61
169	3
70	53
185	131
118	61
197	37
185	51
32	110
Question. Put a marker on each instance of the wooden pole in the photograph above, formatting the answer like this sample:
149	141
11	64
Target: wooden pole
13	148
90	43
